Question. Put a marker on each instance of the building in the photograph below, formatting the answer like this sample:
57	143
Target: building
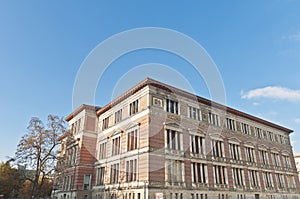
156	141
297	160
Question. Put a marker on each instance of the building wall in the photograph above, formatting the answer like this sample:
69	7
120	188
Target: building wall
167	159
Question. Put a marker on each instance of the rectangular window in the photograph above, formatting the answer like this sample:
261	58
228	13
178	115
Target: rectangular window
280	180
263	157
100	175
134	107
245	128
171	106
173	139
116	146
290	181
199	172
86	182
250	154
132	139
253	175
114	173
238	176
220	174
286	161
258	132
217	148
174	170
105	123
102	150
268	179
131	170
275	159
271	136
195	113
118	116
230	124
235	151
213	119
197	144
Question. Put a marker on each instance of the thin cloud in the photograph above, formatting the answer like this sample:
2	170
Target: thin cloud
294	37
273	92
297	120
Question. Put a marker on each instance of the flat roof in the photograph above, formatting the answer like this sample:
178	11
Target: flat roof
163	86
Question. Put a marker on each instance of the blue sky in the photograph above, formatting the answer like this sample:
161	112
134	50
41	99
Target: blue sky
255	45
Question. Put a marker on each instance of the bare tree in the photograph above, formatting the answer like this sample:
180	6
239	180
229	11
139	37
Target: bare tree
38	150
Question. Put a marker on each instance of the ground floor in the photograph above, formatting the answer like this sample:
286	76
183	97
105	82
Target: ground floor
171	193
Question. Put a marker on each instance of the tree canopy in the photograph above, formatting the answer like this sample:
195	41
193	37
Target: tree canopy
37	151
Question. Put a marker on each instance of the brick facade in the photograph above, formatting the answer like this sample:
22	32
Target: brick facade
155	149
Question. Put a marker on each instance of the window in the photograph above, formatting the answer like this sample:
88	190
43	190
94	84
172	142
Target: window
280	180
175	170
213	119
118	116
235	151
217	148
253	175
230	124
275	159
105	123
220	174
268	179
290	181
87	181
195	113
102	150
114	173
258	132
271	136
245	128
131	170
250	154
199	172
197	144
100	175
116	146
286	161
238	176
263	157
132	139
134	107
173	140
157	102
171	106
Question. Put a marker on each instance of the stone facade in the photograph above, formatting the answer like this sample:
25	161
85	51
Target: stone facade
157	141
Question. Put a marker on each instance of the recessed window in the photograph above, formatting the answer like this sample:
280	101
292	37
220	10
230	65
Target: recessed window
230	124
116	146
199	172
217	148
114	173
131	170
173	140
118	116
105	123
100	176
87	182
132	139
134	107
197	144
195	113
235	151
213	119
171	106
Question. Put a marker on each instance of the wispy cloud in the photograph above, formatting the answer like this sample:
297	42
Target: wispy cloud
297	120
273	92
294	37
